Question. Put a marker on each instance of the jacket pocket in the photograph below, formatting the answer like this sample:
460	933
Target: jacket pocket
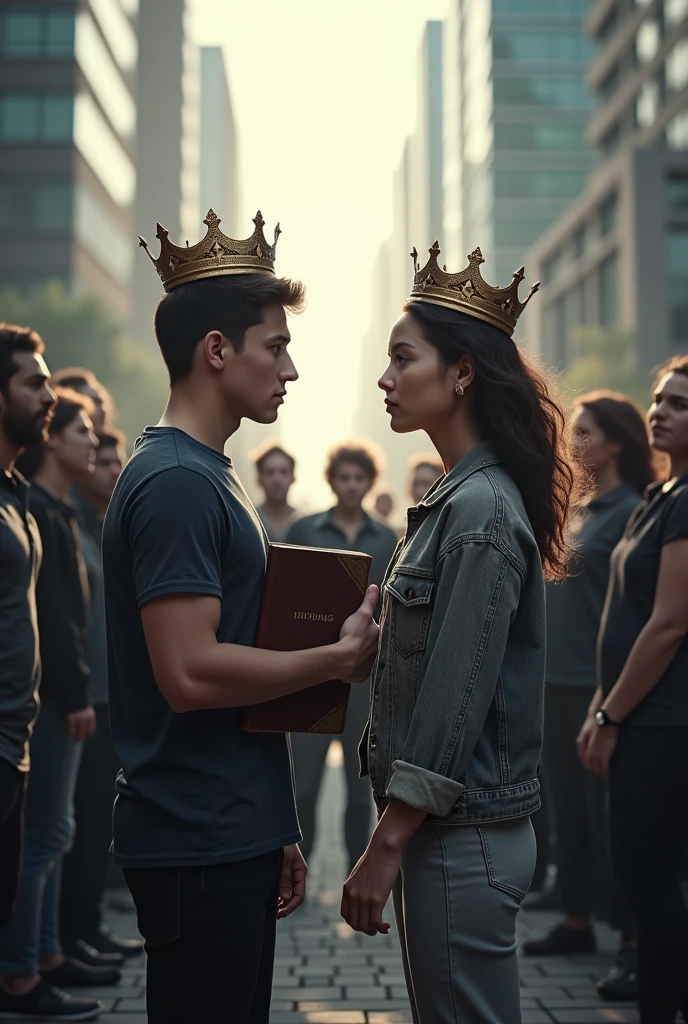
410	599
156	893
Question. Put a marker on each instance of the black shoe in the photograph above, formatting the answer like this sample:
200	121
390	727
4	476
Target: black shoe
103	941
47	1003
546	898
74	974
562	941
85	953
621	983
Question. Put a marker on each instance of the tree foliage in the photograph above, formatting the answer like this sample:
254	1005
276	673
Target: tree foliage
78	330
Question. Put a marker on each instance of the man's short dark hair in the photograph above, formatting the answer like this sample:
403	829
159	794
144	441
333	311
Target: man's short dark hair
15	339
262	454
111	438
75	377
360	453
230	304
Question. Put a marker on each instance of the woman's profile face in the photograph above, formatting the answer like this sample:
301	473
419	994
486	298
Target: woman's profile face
591	446
418	389
75	447
668	415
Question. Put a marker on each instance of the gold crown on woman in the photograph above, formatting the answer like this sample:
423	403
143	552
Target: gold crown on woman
216	255
468	293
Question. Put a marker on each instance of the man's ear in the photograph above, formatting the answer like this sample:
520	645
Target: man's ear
214	346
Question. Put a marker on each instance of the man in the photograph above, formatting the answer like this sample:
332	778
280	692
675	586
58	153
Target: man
275	471
85	382
351	472
85	868
204	822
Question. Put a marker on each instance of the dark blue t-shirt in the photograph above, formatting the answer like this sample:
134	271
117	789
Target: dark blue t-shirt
194	788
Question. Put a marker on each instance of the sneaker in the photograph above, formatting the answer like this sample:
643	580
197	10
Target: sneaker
621	983
86	954
47	1003
104	941
74	974
562	941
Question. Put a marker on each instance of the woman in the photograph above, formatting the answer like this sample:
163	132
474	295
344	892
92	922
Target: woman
637	730
31	959
611	444
453	741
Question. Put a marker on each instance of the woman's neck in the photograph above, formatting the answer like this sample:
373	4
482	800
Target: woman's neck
454	439
53	480
607	479
679	466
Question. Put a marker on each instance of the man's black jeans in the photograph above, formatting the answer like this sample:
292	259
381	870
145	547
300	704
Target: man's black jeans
649	837
12	797
210	939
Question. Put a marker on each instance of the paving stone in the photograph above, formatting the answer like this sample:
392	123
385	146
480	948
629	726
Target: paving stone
296	994
130	1005
390	1017
604	1015
380	1003
536	1017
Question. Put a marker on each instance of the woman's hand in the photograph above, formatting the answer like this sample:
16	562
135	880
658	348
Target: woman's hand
292	888
368	887
601	746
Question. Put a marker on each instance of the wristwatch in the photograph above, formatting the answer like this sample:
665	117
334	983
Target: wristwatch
602	718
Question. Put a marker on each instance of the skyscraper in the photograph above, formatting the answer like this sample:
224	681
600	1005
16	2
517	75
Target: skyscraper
219	172
516	109
67	130
619	254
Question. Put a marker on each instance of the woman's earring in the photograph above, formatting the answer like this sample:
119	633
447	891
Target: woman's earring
459	388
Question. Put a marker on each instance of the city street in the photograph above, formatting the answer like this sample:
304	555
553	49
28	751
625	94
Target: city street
327	974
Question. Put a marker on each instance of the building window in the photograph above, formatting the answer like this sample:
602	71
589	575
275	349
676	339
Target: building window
551	47
551	267
608	28
101	236
519	232
608	215
36	118
610	83
647	104
118	31
678	286
608	291
104	76
36	34
677	193
675	11
676	66
647	41
35	207
567	93
610	142
527	136
553	184
579	242
677	131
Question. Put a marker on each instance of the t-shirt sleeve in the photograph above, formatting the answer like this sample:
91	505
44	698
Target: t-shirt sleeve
176	528
675	523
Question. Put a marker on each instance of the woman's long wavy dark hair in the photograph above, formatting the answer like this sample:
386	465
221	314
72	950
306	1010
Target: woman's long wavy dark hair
621	420
514	410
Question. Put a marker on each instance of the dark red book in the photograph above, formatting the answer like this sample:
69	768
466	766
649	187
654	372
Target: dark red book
309	593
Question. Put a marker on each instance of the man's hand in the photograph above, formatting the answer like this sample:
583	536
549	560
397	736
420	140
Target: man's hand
583	741
601	746
292	889
358	640
368	887
81	725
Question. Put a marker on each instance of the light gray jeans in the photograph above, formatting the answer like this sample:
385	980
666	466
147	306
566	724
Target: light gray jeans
455	903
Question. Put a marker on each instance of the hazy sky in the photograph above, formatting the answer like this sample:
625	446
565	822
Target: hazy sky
324	95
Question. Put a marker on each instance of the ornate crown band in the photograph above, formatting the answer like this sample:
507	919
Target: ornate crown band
215	255
468	293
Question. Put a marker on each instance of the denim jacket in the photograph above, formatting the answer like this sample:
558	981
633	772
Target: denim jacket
455	726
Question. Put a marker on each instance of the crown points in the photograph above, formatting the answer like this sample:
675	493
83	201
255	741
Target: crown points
211	219
258	220
476	257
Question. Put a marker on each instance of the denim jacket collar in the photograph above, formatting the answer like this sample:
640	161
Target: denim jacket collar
482	455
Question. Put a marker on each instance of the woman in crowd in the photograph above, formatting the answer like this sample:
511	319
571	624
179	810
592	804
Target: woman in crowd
453	741
636	732
31	959
611	443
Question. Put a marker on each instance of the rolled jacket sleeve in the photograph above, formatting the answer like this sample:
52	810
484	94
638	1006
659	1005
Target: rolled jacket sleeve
478	590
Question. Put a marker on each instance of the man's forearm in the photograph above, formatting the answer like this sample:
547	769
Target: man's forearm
230	675
650	657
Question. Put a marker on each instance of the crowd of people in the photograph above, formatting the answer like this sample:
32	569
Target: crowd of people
515	535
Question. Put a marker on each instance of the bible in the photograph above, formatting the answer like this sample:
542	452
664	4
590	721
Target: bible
308	595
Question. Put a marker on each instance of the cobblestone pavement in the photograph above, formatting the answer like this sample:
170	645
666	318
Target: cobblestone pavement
327	974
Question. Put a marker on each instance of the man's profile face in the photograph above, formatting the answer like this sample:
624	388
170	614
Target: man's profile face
276	477
350	484
26	410
255	379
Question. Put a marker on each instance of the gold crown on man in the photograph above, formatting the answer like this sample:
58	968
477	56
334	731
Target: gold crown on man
468	293
216	255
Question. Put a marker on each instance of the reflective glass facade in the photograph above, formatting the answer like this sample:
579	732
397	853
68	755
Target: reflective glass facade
32	34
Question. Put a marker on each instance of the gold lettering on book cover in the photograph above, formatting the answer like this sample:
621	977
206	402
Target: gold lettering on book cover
357	569
332	722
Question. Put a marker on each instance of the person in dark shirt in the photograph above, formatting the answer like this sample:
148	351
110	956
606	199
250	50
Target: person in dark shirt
351	471
31	958
204	822
611	443
26	404
85	382
275	469
636	733
85	868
